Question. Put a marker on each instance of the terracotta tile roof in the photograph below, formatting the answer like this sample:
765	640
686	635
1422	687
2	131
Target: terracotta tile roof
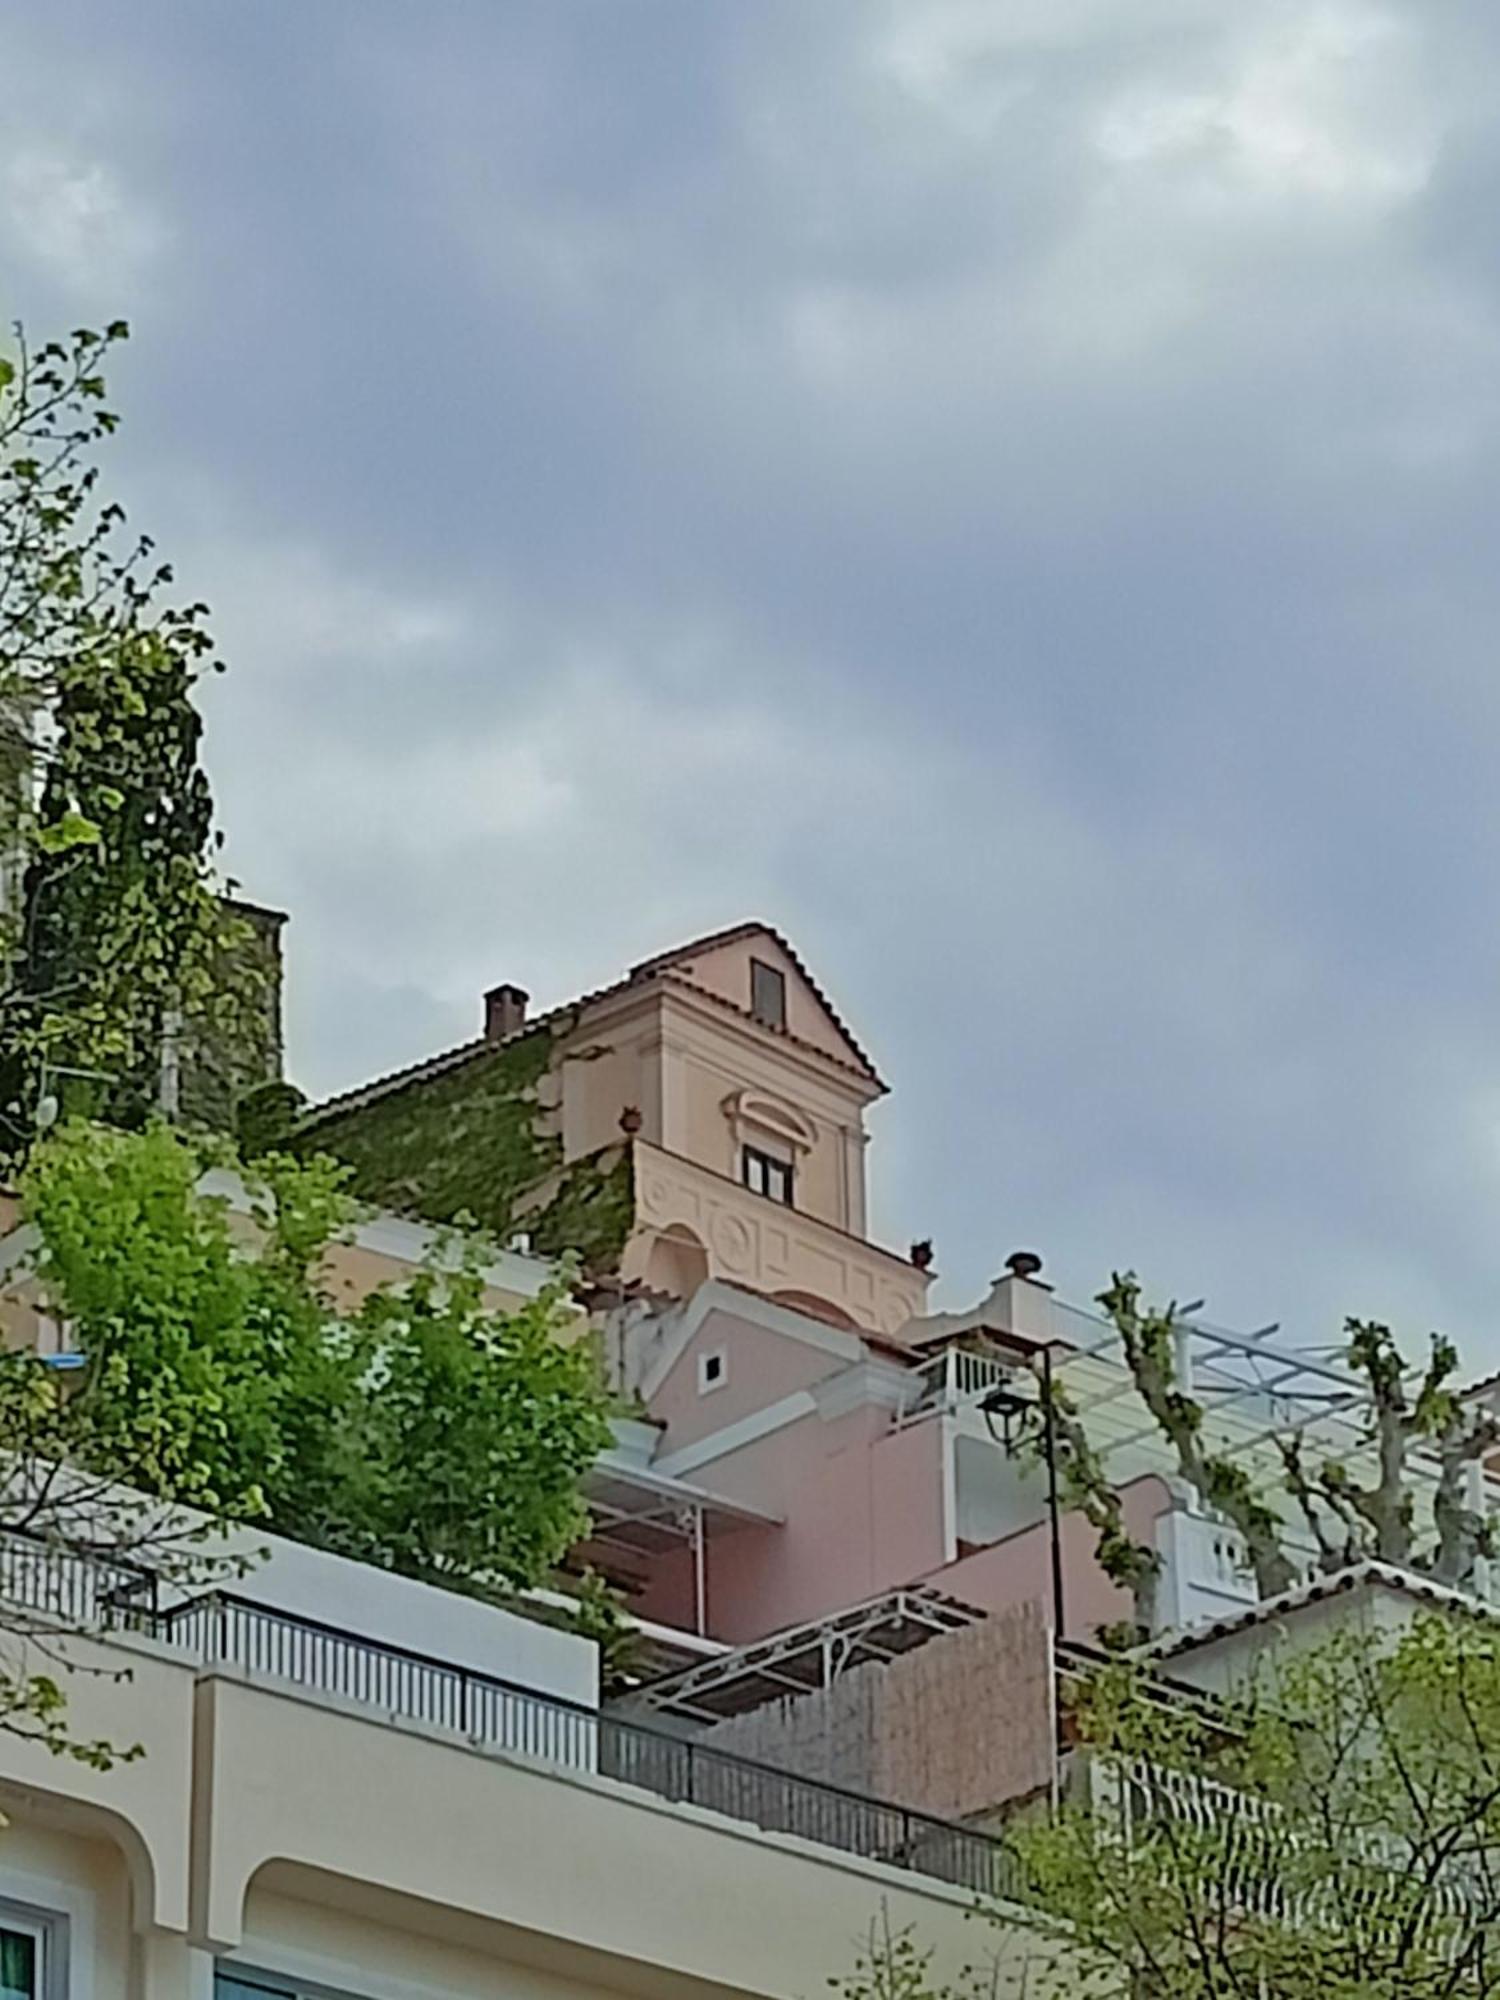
1410	1583
662	966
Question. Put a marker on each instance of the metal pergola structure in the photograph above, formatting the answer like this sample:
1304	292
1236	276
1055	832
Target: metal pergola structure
638	1512
806	1657
1253	1388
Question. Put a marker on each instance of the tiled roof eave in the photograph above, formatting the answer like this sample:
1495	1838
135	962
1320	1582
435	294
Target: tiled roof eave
661	967
1317	1590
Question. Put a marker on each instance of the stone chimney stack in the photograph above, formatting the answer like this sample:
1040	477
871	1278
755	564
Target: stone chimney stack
504	1012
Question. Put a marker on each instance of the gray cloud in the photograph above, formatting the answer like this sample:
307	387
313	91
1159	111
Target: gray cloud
1004	492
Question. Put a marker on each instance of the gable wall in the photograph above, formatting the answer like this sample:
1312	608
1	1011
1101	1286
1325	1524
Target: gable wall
706	1061
725	970
763	1367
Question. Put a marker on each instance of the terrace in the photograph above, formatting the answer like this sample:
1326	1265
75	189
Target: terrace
219	1629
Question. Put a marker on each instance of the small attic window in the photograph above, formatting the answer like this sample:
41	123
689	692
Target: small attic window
767	994
713	1371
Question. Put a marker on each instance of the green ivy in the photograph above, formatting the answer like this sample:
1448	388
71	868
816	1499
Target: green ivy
468	1145
590	1212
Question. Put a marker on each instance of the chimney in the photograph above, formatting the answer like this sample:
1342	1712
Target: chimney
1021	1299
504	1012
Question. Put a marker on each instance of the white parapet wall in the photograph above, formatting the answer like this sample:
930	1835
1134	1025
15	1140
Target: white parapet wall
446	1625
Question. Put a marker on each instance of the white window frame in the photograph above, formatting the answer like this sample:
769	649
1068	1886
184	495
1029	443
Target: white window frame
708	1381
49	1929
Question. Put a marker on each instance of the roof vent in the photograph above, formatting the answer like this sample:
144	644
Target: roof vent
1024	1264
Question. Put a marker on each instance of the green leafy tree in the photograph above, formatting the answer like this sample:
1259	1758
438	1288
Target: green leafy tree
1346	1843
418	1428
1330	1831
467	1431
112	938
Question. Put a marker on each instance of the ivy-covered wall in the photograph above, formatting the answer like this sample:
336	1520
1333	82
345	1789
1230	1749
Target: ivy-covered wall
473	1142
225	1061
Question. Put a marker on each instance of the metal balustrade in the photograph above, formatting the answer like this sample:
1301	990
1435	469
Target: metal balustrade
223	1628
1274	1867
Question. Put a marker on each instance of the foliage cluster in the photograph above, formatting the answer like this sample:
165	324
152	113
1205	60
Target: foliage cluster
468	1143
1328	1831
417	1427
112	937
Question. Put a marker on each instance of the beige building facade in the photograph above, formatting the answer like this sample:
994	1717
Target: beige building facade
738	1097
307	1822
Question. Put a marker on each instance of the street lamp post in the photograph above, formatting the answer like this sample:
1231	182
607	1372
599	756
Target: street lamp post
1015	1413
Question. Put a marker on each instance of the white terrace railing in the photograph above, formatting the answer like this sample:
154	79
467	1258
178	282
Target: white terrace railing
955	1379
1265	1866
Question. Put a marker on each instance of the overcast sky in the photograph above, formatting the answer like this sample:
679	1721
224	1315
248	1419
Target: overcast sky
1004	489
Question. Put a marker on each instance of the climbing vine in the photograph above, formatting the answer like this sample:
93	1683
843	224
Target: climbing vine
112	935
473	1143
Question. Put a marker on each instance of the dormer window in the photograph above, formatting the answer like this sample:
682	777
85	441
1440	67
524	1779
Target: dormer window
764	1174
767	994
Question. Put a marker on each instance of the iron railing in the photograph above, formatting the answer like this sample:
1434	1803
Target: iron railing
223	1628
81	1591
1262	1862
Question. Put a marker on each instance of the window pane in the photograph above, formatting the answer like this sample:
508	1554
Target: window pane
763	1174
767	994
228	1987
17	1966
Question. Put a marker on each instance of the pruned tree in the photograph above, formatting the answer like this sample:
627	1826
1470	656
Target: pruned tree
1416	1426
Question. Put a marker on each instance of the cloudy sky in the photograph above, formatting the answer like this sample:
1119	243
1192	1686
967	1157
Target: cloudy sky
1004	489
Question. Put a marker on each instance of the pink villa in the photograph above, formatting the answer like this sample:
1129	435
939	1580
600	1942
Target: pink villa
809	1437
826	1488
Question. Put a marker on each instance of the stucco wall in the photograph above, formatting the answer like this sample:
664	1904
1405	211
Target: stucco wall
763	1367
1225	1664
725	971
638	1895
399	1611
301	1927
397	1863
862	1512
1020	1567
769	1248
83	1879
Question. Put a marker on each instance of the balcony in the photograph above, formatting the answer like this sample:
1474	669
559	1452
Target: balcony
222	1629
953	1381
760	1244
1258	1862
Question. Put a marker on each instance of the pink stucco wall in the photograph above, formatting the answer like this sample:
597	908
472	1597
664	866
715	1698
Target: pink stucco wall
762	1369
725	972
862	1512
1020	1567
